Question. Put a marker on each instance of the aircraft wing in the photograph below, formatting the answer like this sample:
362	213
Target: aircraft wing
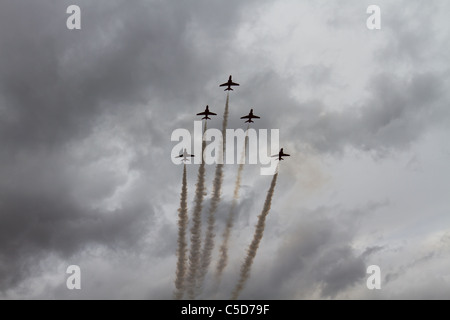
234	84
212	113
224	84
246	117
256	117
202	114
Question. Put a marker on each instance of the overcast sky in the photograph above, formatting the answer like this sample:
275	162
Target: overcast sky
86	117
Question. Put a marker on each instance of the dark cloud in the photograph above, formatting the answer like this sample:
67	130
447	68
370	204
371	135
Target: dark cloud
412	35
397	113
35	226
55	83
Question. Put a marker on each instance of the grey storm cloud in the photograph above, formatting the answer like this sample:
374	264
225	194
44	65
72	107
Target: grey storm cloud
315	253
396	113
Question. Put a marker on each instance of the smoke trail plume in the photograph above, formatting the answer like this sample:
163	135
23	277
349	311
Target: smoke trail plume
196	229
215	200
223	259
182	245
253	248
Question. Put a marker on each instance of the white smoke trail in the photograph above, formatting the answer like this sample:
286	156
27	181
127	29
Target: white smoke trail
223	259
196	229
182	245
253	248
215	200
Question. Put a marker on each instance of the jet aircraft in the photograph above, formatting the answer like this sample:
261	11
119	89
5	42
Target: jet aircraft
229	84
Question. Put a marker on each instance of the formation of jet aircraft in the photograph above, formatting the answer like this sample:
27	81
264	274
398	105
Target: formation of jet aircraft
249	118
